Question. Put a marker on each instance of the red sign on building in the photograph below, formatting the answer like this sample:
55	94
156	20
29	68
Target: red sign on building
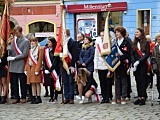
81	8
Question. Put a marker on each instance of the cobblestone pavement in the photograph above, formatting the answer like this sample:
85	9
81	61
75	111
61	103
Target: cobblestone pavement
92	111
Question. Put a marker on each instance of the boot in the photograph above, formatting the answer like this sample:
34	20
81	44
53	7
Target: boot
33	99
142	102
3	100
38	100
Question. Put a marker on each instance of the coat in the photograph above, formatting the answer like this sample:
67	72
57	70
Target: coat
55	63
31	77
99	62
125	48
73	48
87	56
17	65
156	54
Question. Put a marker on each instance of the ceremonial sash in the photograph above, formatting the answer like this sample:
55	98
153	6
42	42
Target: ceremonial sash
53	73
34	61
96	95
141	55
126	61
18	51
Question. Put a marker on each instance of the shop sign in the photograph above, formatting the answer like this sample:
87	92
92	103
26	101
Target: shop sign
44	34
82	8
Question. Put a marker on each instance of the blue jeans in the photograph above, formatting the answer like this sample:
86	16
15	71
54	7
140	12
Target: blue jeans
68	85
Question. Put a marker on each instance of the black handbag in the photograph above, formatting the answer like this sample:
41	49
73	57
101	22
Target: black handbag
154	65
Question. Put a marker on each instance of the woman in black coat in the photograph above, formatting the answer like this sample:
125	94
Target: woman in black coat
54	60
124	51
140	54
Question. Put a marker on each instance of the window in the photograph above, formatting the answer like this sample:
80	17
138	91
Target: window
143	20
41	27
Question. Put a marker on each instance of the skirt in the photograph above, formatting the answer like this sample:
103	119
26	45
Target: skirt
3	72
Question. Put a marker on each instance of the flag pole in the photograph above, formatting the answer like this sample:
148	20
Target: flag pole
61	27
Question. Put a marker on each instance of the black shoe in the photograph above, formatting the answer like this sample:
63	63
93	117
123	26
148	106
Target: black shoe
51	100
137	102
142	102
38	100
33	99
3	100
103	101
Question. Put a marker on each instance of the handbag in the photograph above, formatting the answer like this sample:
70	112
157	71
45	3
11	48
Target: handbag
154	65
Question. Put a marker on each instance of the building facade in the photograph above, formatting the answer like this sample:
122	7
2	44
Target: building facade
42	18
88	16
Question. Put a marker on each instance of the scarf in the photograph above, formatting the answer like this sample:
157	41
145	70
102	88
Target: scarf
86	46
34	51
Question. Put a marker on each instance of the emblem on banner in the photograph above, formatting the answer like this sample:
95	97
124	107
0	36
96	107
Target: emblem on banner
113	59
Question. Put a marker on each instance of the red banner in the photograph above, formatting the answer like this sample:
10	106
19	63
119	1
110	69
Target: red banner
5	28
58	48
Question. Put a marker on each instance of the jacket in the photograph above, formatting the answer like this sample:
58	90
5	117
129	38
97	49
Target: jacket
87	56
31	77
73	48
17	65
156	54
99	62
125	59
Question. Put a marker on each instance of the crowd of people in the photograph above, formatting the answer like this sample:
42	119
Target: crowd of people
32	65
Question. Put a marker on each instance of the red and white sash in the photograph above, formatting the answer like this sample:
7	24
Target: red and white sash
96	95
18	51
34	61
141	55
126	61
53	73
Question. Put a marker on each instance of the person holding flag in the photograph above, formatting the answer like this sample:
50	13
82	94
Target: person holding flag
70	57
124	52
18	52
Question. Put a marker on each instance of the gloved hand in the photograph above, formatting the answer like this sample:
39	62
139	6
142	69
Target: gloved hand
10	58
136	63
36	73
72	69
0	60
25	72
128	71
46	72
134	69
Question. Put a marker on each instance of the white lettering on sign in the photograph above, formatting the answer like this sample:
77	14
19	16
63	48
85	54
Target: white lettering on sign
44	34
93	7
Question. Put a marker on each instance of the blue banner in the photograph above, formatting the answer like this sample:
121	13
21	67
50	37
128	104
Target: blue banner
113	59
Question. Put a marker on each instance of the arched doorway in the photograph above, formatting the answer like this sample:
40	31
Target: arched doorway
41	29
